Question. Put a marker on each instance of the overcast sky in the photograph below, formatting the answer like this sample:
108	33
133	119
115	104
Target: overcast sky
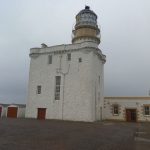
125	40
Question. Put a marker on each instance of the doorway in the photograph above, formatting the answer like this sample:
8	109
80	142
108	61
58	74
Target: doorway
12	112
41	113
131	115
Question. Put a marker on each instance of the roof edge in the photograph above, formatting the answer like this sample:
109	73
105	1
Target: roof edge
131	97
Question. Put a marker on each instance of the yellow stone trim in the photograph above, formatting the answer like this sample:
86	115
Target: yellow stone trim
146	104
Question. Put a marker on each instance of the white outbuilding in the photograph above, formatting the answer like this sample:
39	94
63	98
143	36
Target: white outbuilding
15	111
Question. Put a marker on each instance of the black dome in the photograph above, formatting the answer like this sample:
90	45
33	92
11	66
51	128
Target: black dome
86	10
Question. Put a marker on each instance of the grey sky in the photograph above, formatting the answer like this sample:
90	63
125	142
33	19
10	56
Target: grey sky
125	35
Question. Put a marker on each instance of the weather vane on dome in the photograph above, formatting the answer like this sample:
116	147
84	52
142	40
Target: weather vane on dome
88	3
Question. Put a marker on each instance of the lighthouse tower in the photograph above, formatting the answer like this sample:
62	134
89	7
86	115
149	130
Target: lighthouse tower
66	81
86	28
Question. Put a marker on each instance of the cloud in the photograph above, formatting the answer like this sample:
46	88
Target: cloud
125	28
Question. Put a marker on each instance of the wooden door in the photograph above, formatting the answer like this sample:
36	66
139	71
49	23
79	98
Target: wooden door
0	111
41	113
128	115
12	112
131	115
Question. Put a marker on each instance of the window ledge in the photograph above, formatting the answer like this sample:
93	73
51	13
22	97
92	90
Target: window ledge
115	114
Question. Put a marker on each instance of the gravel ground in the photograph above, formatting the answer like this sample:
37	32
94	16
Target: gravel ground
30	134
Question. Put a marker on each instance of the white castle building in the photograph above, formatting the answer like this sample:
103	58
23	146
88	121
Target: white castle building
66	82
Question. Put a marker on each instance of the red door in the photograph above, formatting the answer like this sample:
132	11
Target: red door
0	111
41	113
131	115
12	112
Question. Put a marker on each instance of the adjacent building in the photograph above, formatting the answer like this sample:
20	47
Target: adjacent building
131	109
12	110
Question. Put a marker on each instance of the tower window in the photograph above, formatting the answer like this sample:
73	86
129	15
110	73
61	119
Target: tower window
69	56
38	90
49	59
99	79
80	59
57	87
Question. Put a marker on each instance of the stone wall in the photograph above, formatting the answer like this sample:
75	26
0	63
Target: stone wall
125	103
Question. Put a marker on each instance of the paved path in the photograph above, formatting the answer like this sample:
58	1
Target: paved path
29	134
142	137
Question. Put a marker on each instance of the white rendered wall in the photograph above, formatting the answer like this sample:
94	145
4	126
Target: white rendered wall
3	111
21	112
98	86
77	100
126	103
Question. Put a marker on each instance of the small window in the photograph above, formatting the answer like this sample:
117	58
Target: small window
115	110
57	87
80	59
49	59
38	91
69	56
147	110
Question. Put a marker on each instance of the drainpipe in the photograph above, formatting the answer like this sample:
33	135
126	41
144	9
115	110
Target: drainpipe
64	78
95	103
101	112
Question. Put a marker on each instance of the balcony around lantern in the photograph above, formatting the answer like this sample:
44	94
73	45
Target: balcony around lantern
86	24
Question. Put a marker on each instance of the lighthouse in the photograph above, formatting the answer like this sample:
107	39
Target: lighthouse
66	82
